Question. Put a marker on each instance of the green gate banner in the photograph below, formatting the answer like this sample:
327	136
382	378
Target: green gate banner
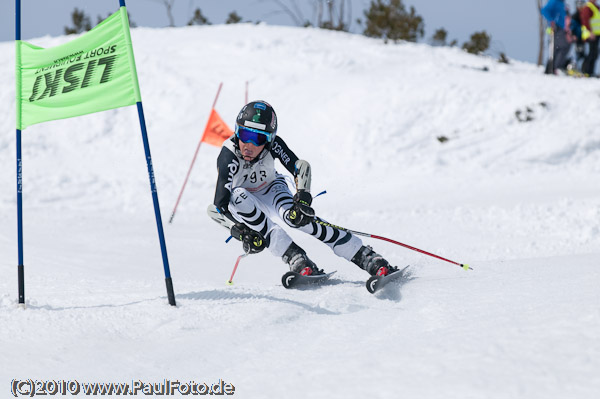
92	73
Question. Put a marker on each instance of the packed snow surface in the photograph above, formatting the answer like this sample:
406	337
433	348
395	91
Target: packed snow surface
483	163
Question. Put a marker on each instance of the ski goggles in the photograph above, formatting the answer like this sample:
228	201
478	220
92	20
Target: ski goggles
254	136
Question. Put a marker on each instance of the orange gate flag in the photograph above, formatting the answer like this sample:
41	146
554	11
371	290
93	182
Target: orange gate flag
216	131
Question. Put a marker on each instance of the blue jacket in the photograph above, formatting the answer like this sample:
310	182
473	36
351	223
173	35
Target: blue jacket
554	11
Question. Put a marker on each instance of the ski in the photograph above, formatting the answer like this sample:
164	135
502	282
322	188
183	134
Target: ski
376	283
293	279
218	217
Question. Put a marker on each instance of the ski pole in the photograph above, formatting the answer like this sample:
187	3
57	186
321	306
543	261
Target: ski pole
358	233
230	281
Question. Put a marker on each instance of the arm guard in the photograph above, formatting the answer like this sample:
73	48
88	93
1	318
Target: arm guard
302	175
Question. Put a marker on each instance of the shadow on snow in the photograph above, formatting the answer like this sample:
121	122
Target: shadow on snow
215	295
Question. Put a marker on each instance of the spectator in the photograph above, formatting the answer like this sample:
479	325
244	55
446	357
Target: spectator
576	31
555	12
590	26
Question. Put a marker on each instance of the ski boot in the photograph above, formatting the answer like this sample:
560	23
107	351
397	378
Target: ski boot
372	262
296	258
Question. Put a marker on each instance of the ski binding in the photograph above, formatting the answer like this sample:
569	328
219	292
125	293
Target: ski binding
293	279
376	283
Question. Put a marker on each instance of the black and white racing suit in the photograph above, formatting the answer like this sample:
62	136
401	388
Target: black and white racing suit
252	192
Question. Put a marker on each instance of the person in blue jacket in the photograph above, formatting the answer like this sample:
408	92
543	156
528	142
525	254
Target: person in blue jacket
555	12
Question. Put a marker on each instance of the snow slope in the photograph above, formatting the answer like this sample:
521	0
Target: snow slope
518	201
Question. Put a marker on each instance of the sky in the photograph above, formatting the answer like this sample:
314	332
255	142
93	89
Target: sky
512	24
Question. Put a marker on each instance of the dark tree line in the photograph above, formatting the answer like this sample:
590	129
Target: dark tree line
82	22
389	20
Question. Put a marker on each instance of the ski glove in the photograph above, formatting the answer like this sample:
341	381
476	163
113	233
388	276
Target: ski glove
252	241
300	214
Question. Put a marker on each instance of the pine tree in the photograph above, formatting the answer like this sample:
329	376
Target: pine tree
233	18
439	37
81	23
478	43
198	18
389	20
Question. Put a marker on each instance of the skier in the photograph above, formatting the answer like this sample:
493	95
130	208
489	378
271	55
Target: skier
250	194
555	11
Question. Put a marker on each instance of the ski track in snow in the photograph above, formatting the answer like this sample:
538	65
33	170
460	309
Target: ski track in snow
515	200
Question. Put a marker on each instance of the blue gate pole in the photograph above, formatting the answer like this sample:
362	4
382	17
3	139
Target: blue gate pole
159	225
20	267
